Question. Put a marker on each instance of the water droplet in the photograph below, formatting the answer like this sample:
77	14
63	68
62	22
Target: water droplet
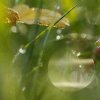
14	29
80	66
68	72
23	89
58	37
59	31
22	51
78	54
58	7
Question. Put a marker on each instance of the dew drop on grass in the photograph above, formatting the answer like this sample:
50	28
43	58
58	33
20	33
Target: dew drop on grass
22	50
58	37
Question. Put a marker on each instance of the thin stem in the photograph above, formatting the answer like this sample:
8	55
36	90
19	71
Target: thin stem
66	13
43	32
49	27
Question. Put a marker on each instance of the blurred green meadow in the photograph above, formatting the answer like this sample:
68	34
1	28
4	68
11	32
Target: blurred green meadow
26	72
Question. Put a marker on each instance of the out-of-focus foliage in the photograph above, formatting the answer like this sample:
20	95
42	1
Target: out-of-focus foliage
24	73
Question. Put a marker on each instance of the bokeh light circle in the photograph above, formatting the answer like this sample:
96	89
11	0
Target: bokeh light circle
70	72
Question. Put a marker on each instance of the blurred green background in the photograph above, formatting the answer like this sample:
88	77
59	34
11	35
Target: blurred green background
25	79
